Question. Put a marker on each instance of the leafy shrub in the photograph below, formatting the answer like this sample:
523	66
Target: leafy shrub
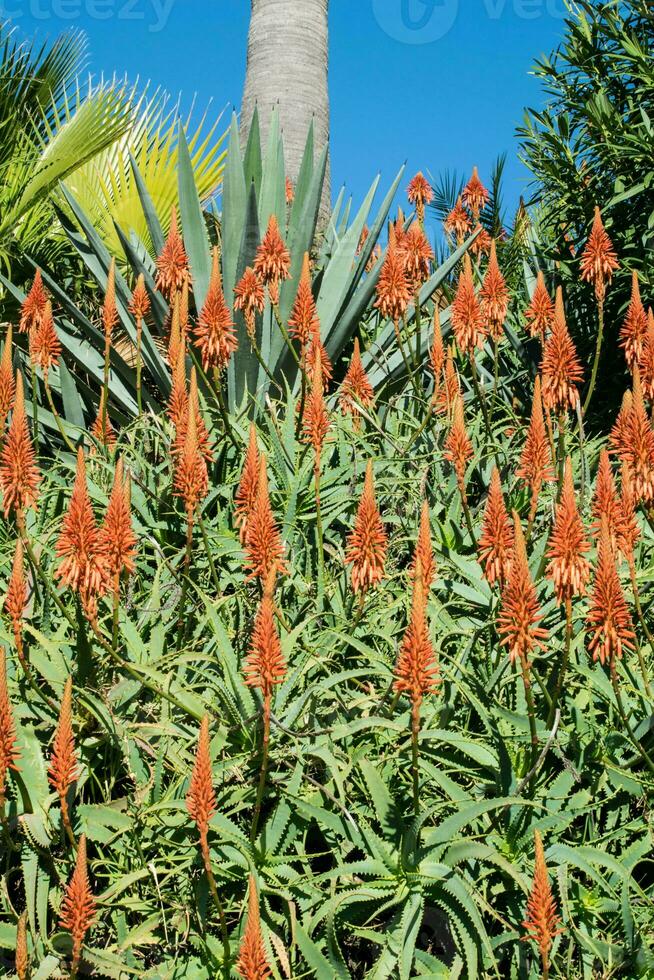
592	141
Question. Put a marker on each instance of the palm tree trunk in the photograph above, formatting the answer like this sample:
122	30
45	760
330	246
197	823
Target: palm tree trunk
287	67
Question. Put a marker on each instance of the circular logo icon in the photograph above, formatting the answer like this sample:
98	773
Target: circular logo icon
415	21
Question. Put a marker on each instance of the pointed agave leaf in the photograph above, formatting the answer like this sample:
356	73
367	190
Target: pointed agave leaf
301	237
244	367
338	275
358	300
152	220
193	224
272	199
303	182
301	234
252	163
235	201
331	233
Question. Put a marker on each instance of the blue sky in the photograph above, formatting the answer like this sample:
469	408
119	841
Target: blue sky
440	83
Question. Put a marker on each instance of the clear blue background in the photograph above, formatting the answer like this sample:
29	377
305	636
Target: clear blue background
450	101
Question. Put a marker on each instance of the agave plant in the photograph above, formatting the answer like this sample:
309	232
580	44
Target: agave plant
254	190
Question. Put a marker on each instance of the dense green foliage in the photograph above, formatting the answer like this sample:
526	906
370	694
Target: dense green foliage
353	881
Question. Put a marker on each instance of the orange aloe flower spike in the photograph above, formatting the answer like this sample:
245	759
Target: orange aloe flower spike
263	541
536	461
542	922
77	913
8	751
175	335
102	430
201	797
82	566
520	612
628	528
16	598
418	256
109	308
416	671
272	262
63	769
184	319
540	312
393	287
190	478
265	666
419	192
303	321
449	390
466	313
396	231
494	296
22	959
367	544
178	400
355	385
599	261
458	447
7	380
252	961
561	368
609	625
19	475
482	243
646	361
496	542
249	483
249	297
619	435
289	191
475	196
567	567
140	305
33	305
639	444
315	349
605	502
45	346
315	423
424	551
214	335
458	223
634	328
172	264
117	541
201	432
